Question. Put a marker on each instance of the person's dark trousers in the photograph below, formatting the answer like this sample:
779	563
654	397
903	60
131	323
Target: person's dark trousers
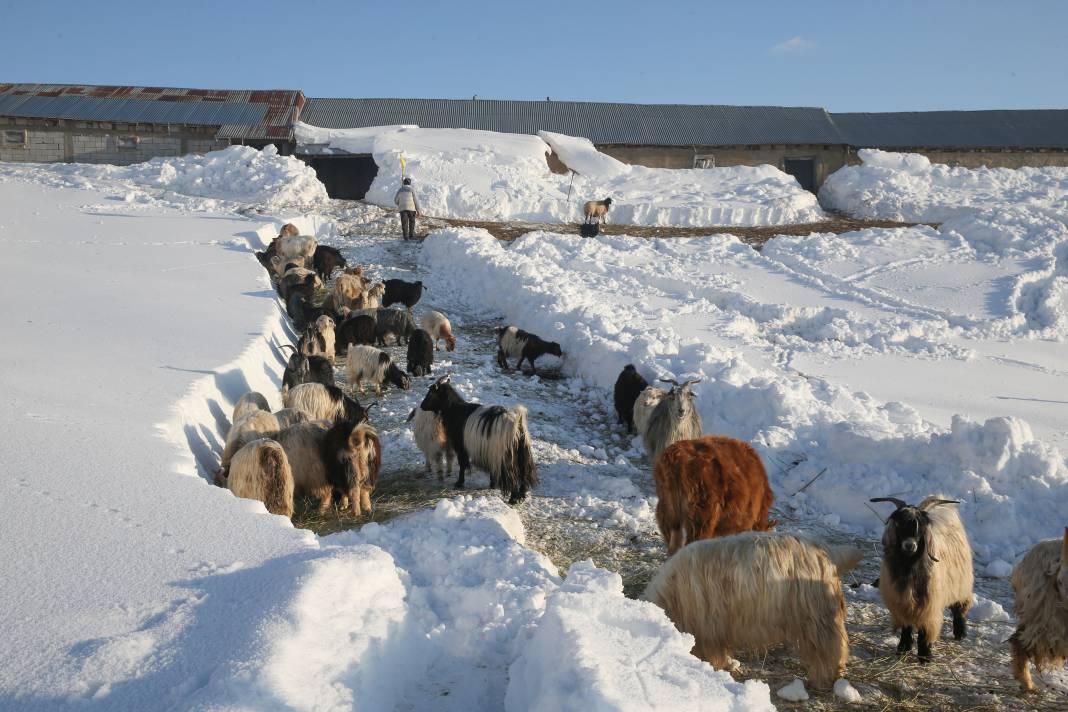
408	223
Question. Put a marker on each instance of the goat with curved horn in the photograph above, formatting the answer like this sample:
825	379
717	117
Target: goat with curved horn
930	503
901	504
672	381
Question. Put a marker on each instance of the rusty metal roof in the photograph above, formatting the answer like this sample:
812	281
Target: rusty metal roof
246	113
1035	128
603	123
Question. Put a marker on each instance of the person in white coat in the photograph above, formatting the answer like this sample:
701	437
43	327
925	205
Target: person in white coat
409	208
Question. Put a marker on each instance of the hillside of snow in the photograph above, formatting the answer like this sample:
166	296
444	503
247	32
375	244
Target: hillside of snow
485	175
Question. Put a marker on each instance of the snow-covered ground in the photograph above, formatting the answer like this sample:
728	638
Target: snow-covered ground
485	175
881	362
907	186
136	320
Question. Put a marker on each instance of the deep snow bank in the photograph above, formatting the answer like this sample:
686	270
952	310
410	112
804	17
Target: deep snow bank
656	303
594	649
907	186
238	174
485	175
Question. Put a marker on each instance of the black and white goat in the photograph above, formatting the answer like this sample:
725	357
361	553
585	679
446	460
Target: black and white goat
490	437
306	369
400	292
420	353
366	363
927	567
513	342
628	387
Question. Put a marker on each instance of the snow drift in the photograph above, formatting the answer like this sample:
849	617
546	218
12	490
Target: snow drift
907	186
712	308
238	174
485	175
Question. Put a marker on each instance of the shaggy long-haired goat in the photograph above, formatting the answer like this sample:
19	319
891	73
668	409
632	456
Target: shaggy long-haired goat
666	417
260	470
397	291
299	248
927	567
708	487
321	402
327	259
513	342
492	438
366	363
629	386
254	425
420	353
597	210
393	322
754	590
346	457
318	339
348	288
305	369
437	325
358	329
1040	582
249	403
430	437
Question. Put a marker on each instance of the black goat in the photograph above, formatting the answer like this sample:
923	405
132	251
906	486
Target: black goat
359	329
400	292
306	369
327	259
420	353
514	342
628	387
492	438
395	322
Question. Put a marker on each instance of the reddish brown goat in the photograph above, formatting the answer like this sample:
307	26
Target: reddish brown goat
708	487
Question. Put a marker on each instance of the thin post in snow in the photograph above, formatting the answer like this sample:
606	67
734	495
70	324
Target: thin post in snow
569	187
819	475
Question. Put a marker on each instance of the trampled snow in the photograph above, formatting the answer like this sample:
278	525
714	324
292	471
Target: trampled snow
485	175
788	342
907	186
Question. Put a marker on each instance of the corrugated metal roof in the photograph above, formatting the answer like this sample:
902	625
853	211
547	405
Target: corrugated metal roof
247	113
603	123
1044	128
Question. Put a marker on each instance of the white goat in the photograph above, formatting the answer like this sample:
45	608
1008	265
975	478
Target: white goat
1040	582
366	363
437	325
430	437
260	470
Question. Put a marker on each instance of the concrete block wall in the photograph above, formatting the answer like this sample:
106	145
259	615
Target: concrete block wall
41	146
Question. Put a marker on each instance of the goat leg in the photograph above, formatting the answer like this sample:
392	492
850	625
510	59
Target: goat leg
923	646
906	640
960	626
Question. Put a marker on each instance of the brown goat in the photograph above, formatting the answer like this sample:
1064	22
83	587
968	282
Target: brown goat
709	487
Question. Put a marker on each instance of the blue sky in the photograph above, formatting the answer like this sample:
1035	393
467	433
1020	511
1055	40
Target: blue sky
845	56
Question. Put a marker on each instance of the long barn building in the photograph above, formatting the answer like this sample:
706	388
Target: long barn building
122	124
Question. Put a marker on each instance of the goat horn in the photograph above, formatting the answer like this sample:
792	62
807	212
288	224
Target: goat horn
672	381
900	504
412	414
372	405
288	346
689	383
932	503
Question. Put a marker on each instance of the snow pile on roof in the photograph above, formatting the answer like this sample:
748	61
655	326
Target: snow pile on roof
235	175
596	650
782	344
485	175
906	186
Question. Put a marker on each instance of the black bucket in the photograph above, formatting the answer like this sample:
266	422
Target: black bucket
589	229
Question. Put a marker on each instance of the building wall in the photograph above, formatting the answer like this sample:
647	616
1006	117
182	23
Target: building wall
828	158
988	158
51	141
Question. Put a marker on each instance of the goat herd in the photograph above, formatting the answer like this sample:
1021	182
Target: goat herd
728	581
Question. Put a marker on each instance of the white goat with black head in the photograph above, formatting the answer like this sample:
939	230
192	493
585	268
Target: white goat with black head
490	437
927	567
664	417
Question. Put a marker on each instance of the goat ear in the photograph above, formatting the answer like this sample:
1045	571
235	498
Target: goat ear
897	502
444	379
932	503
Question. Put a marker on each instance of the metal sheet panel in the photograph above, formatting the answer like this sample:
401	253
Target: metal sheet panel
1042	128
604	123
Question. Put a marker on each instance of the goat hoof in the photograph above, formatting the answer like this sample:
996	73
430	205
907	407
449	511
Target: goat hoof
459	485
